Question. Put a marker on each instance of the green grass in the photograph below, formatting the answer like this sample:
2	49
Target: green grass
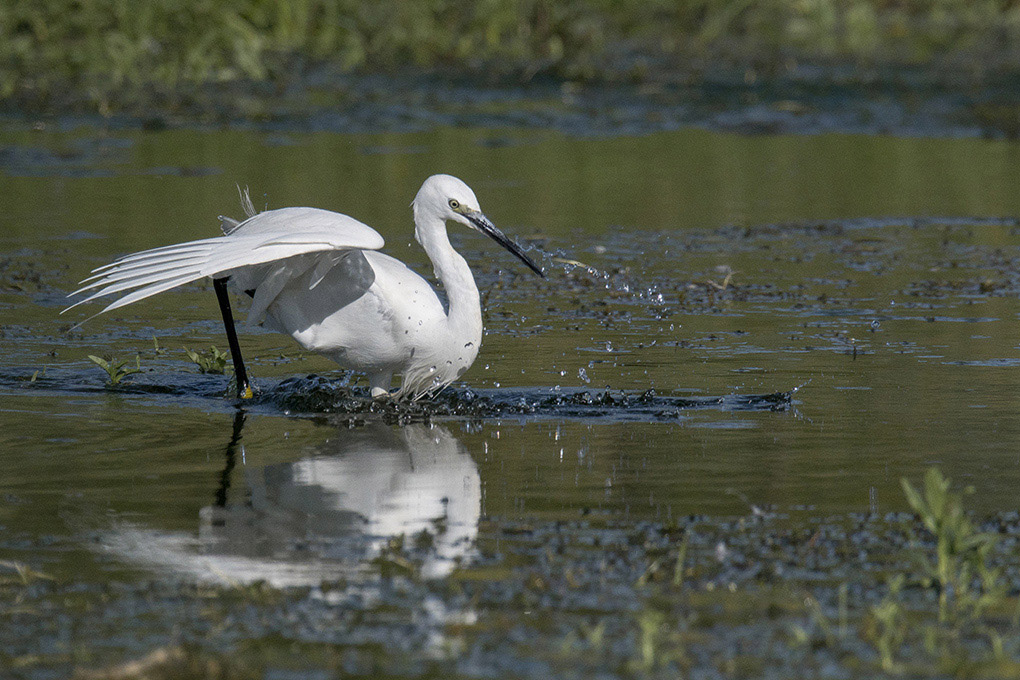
110	53
116	371
213	361
959	568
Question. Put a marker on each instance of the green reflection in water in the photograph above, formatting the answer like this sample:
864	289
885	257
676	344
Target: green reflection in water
153	188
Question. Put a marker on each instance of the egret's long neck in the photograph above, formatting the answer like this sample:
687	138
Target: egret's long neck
452	269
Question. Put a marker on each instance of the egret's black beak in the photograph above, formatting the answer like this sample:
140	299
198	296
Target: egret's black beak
484	225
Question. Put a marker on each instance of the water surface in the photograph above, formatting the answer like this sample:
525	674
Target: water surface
877	275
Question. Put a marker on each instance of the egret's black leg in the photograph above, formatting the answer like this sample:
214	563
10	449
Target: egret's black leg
240	374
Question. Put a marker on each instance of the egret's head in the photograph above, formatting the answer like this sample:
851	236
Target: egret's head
448	198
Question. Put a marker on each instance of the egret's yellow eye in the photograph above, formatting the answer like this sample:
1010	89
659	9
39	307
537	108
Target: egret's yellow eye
454	204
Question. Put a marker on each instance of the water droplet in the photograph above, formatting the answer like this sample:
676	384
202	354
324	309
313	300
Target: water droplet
583	375
562	373
609	346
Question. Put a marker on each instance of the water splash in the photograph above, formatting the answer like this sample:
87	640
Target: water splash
318	395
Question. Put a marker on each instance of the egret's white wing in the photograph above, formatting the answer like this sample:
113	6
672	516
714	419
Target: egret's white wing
267	237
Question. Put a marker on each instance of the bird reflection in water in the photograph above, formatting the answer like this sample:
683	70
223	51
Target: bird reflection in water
329	514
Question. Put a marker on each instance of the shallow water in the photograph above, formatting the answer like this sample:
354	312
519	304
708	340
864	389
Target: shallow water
869	281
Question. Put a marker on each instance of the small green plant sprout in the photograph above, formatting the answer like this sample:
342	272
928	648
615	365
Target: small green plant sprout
966	584
213	361
116	371
156	348
650	624
681	559
889	627
36	375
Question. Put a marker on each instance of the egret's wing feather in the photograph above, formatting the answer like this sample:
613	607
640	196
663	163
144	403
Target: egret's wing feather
272	236
176	271
246	252
142	293
326	262
154	253
141	268
271	286
308	220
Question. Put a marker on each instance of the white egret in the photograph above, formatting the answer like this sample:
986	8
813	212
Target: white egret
316	275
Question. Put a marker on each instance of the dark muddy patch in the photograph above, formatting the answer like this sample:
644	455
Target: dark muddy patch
86	157
82	157
314	394
318	395
762	595
803	99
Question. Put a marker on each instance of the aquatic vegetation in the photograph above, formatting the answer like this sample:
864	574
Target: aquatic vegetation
116	371
889	624
565	599
650	656
962	574
971	631
157	350
961	551
213	361
681	559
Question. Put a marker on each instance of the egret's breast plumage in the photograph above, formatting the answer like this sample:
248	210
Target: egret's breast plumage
370	313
